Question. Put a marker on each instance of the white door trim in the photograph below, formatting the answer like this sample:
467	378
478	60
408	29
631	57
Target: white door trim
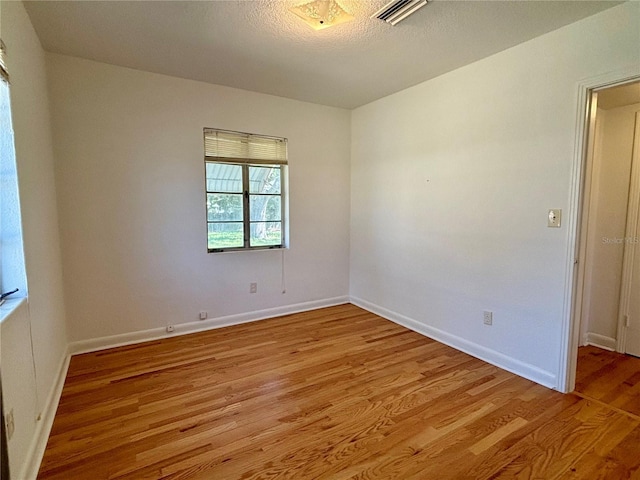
584	272
572	294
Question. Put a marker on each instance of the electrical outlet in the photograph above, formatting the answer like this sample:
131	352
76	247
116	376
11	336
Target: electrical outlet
9	422
170	328
488	318
253	288
555	218
203	315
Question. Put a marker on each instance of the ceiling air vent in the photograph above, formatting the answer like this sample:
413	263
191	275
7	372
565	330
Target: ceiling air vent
398	10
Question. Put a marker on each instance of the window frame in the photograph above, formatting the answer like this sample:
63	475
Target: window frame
246	164
13	274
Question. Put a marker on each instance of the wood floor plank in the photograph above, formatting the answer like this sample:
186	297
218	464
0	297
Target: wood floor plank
611	377
336	393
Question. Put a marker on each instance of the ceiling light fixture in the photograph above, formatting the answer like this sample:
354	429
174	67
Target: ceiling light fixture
321	14
398	10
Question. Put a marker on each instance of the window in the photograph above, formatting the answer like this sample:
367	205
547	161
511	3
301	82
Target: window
12	270
245	188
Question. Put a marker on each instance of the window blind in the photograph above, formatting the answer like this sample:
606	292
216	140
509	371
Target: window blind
3	62
237	147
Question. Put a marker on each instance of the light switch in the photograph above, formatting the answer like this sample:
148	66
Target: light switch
555	218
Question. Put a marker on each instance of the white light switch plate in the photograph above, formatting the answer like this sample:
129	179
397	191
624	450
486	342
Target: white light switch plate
555	218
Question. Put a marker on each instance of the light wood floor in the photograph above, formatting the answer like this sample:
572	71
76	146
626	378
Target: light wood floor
609	377
337	393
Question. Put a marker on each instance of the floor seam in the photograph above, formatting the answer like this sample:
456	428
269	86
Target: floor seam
611	407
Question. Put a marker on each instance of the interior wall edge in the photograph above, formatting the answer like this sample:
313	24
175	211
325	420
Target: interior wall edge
522	369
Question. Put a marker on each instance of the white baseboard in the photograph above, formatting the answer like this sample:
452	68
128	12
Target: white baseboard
498	359
44	424
95	344
601	341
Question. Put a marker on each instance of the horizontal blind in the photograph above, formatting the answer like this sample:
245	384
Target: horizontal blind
236	147
3	62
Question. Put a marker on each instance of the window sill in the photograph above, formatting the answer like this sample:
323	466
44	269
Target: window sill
10	306
252	249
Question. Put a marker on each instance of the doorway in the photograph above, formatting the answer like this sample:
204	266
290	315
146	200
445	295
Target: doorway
611	205
609	310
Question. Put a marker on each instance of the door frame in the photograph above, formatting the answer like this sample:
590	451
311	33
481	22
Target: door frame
630	247
577	221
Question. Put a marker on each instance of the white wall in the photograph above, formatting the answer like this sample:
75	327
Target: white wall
18	383
34	156
130	177
451	183
607	224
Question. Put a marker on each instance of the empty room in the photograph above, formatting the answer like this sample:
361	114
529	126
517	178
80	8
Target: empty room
352	239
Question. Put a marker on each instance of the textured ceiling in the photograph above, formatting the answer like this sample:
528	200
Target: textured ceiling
261	46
